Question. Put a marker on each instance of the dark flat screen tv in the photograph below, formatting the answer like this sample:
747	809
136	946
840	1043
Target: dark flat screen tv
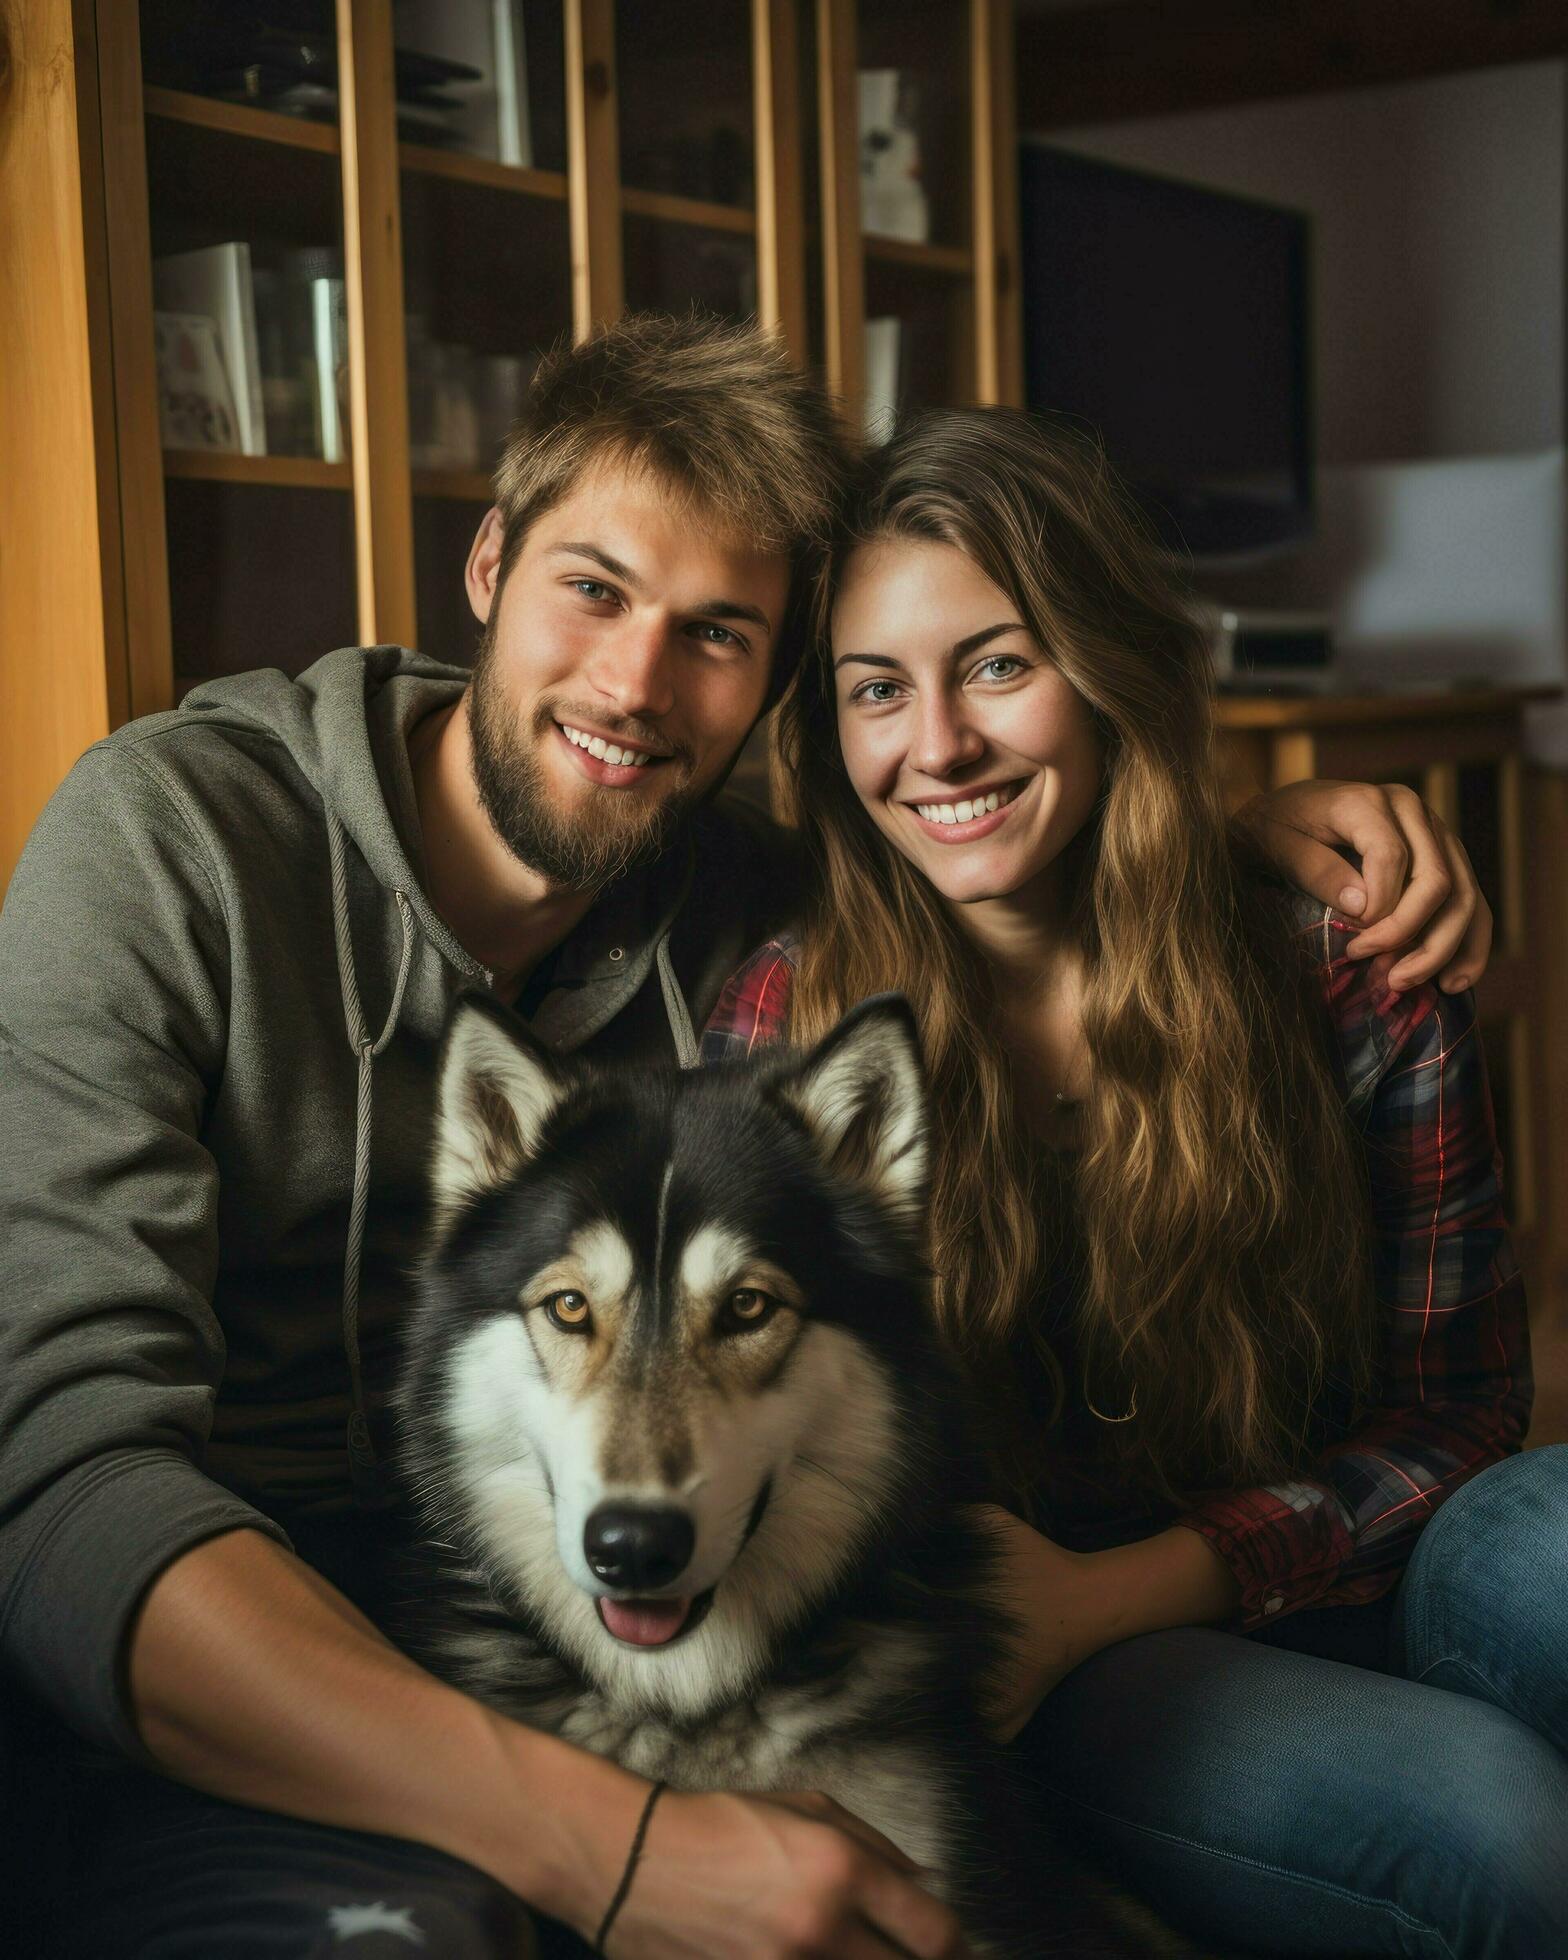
1175	320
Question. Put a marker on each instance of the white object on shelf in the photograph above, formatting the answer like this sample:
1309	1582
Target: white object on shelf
892	199
488	117
514	130
195	402
216	281
329	337
884	339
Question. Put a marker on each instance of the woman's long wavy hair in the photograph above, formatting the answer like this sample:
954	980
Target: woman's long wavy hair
1219	1201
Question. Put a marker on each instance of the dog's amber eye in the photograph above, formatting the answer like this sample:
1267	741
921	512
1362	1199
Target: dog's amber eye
568	1309
749	1307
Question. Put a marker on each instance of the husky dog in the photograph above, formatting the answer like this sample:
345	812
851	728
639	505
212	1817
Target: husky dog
683	1446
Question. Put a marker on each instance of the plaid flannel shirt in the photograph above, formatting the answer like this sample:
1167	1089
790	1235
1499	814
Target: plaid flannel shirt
1455	1386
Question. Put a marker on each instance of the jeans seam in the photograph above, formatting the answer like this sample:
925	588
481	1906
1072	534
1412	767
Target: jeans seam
1396	1912
1467	1667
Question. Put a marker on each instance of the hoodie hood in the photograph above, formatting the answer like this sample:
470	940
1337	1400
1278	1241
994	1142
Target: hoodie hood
345	722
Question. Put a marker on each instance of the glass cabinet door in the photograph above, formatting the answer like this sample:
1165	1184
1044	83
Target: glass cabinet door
913	104
487	278
245	215
688	156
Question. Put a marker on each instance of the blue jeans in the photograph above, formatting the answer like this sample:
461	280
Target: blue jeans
1282	1803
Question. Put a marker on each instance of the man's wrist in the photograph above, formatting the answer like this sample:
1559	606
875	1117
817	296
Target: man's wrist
550	1821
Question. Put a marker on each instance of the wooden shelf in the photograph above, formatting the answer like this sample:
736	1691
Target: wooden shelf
1344	710
460	486
274	472
460	168
235	119
695	211
950	261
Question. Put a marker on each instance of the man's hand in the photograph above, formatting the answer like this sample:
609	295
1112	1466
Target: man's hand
730	1877
1416	892
252	1678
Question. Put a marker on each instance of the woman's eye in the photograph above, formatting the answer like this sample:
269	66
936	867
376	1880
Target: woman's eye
1009	661
879	693
749	1307
568	1309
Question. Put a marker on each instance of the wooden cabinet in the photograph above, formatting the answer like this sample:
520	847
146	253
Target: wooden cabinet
696	152
1461	751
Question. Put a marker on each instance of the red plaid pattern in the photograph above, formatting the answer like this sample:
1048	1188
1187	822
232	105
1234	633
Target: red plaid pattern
1455	1385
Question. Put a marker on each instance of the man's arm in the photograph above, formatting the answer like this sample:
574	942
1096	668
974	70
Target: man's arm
1416	893
113	998
159	1613
252	1678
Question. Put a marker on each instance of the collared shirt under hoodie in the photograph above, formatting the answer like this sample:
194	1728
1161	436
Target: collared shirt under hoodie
222	992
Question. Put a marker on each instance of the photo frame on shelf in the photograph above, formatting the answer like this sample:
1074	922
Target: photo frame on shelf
215	282
195	402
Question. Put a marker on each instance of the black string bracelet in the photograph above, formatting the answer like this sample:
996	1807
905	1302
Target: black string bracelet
632	1856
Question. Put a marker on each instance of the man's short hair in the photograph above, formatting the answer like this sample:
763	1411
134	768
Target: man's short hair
714	410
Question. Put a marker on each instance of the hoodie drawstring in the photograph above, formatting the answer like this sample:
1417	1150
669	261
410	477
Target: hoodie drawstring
687	1053
369	1478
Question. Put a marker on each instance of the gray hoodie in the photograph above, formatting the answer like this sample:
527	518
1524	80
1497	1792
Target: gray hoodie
222	989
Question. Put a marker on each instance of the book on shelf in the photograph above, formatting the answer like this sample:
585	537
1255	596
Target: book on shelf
485	101
893	201
215	283
195	402
884	345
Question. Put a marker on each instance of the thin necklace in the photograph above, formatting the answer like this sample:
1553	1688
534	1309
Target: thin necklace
1100	1415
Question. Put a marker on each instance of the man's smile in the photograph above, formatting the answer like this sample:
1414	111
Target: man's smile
613	764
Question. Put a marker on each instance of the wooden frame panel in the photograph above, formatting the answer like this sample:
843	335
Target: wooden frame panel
843	268
781	217
999	373
63	680
378	367
144	541
593	166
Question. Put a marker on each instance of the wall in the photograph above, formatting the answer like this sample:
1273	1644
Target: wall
1439	243
1439	239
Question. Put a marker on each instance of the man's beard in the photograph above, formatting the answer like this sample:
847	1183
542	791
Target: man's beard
610	833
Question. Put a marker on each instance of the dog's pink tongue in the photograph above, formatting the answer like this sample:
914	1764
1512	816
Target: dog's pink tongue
644	1622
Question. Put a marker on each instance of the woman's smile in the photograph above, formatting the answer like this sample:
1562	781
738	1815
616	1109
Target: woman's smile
961	816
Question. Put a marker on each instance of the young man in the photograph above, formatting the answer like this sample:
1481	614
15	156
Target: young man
225	962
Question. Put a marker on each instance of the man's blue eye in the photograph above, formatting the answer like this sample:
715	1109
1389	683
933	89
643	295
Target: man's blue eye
724	638
591	588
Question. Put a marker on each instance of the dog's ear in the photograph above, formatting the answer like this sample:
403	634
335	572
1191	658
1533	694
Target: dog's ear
496	1089
862	1093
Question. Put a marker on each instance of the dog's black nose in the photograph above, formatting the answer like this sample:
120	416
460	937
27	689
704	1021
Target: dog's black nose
642	1548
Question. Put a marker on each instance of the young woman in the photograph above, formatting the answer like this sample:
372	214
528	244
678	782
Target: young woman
1218	1236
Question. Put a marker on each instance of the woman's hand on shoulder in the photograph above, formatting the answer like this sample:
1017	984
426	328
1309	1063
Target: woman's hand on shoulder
1416	894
